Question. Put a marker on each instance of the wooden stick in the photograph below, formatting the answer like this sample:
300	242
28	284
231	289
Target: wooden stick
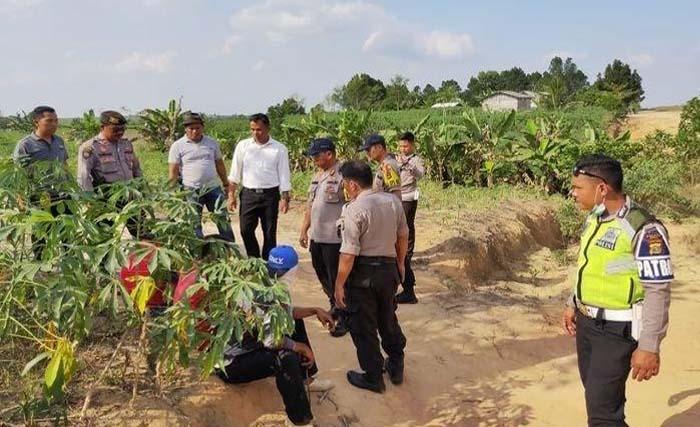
99	380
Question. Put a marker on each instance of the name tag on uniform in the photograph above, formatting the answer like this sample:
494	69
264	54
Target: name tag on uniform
609	239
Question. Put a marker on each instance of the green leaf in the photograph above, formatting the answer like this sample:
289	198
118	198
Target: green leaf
164	259
28	367
53	368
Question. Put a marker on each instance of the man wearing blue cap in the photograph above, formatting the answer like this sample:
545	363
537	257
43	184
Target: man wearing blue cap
388	176
292	361
318	230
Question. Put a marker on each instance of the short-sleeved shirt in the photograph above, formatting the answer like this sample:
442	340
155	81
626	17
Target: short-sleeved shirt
388	177
370	224
32	149
412	170
326	200
103	162
197	161
257	166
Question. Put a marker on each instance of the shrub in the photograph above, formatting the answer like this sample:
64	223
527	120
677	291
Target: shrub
571	220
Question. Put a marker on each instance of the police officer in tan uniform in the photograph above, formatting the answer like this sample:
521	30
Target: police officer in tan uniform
374	242
109	158
412	170
388	177
318	230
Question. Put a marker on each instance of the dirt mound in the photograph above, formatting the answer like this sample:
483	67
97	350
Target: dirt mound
490	245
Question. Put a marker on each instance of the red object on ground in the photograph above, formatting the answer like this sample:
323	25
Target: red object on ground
183	283
129	273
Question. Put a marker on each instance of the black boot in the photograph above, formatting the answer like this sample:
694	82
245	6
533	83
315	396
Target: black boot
407	296
395	372
360	380
340	328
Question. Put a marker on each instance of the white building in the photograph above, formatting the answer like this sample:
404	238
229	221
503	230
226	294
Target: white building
447	104
506	100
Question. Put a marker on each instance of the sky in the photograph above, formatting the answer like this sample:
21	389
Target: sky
239	57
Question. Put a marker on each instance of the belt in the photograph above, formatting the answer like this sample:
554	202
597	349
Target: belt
375	260
607	314
262	190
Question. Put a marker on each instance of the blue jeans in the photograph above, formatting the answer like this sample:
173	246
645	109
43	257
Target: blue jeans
214	199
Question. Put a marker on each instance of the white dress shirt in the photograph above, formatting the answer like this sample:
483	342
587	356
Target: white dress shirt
257	165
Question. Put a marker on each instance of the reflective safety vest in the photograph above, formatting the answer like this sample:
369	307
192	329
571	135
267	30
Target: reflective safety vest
608	275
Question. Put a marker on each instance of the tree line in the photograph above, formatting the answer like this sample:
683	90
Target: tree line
618	89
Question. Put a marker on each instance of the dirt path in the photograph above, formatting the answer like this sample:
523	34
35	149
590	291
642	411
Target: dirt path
494	357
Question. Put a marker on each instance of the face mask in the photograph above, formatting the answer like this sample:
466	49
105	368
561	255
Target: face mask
599	209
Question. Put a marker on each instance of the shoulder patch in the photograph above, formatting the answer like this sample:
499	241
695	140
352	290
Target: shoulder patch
653	256
391	178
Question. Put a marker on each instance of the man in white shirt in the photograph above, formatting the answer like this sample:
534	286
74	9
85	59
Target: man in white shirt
260	166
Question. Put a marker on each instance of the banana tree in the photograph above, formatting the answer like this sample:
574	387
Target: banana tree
538	152
162	127
488	142
84	127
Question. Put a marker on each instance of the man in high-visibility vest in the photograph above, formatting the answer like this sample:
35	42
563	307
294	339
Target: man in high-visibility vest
619	308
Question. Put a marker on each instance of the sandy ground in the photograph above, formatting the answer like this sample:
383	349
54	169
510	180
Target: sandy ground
646	122
493	357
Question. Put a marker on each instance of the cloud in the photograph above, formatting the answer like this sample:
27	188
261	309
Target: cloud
280	21
435	44
229	44
136	61
18	7
259	65
639	59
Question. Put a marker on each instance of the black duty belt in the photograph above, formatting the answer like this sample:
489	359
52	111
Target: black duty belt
375	260
262	190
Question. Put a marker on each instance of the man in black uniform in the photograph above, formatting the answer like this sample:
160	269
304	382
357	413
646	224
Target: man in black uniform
372	254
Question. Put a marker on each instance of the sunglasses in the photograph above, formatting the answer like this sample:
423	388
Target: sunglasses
578	171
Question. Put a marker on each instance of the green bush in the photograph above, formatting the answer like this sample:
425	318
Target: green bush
571	220
657	184
688	142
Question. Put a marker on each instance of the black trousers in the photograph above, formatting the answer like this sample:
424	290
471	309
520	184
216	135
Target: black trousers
324	258
38	242
409	209
135	224
604	351
262	207
285	366
370	296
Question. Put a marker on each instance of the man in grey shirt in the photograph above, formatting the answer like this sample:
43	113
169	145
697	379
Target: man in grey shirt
43	151
196	160
43	155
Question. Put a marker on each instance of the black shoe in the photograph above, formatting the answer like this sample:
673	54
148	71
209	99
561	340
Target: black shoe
406	297
395	374
360	380
340	329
